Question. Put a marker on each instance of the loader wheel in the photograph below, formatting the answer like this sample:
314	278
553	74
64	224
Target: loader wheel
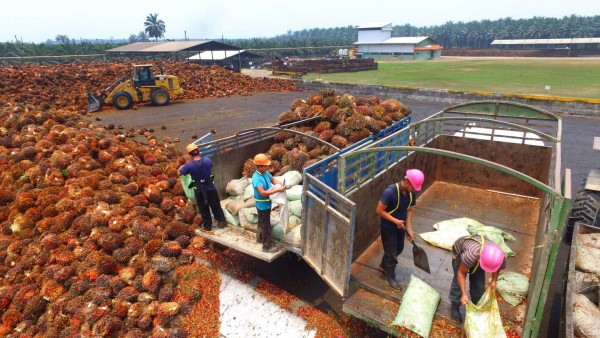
160	97
586	207
122	100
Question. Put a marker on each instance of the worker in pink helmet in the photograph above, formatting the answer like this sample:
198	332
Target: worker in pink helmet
473	255
395	209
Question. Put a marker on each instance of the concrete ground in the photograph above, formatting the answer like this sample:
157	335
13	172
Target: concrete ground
246	313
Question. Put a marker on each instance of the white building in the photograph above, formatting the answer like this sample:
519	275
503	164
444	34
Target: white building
375	41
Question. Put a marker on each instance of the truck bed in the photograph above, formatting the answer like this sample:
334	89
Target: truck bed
442	201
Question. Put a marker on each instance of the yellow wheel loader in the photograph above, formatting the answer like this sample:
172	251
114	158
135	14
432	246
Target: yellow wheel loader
143	86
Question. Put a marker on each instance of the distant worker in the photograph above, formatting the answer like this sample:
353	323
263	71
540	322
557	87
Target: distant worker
395	209
200	169
262	181
474	255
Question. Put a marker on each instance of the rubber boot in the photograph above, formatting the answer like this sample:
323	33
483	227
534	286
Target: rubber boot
393	283
455	312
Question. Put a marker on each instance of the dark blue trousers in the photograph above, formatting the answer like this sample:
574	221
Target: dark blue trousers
476	284
205	207
392	239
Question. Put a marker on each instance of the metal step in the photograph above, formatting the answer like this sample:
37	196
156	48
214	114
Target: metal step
373	309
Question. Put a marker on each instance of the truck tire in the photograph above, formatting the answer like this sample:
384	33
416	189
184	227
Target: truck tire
122	100
160	97
586	207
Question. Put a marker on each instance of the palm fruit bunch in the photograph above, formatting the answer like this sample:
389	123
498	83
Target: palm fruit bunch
93	229
59	86
298	159
344	120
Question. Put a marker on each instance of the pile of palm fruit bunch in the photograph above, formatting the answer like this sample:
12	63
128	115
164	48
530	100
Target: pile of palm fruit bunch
64	85
92	229
342	121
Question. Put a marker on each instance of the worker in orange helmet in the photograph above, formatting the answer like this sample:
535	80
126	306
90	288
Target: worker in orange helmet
395	209
262	181
200	169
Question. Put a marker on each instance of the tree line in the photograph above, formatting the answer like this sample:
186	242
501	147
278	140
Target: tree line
471	35
451	35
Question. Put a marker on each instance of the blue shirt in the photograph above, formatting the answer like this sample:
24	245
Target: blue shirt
389	197
260	180
200	169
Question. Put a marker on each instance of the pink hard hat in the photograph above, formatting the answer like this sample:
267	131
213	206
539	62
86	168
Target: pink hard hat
491	258
416	178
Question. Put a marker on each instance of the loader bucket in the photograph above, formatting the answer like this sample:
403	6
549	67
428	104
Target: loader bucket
94	102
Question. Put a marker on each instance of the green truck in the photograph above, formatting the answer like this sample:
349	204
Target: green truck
496	162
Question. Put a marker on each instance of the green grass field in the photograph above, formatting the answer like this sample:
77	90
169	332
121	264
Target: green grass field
575	77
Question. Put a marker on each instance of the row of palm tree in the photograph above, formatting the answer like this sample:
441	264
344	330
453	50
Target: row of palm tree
472	35
480	34
24	49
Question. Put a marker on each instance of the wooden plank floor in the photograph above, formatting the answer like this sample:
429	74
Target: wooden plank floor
443	201
241	240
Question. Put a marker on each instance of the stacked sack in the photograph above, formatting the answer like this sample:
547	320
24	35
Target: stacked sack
286	218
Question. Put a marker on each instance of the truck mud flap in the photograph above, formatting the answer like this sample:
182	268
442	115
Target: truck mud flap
242	241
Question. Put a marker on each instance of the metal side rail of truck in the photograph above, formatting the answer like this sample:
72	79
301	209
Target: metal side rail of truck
516	186
228	156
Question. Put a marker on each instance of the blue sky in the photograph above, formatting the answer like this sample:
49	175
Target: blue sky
39	20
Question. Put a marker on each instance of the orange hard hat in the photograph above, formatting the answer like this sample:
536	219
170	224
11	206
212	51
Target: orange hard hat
261	159
191	147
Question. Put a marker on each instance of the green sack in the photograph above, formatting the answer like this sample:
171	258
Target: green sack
296	208
512	287
447	232
495	235
248	192
250	214
418	307
189	193
294	193
231	218
483	319
294	222
277	232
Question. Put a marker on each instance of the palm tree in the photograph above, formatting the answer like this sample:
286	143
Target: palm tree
62	39
154	26
32	49
142	37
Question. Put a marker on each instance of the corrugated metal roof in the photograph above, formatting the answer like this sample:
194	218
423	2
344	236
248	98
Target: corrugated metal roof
221	54
404	40
545	41
380	24
170	46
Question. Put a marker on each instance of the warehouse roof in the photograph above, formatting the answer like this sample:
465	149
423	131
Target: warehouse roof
222	54
404	40
172	47
545	41
372	25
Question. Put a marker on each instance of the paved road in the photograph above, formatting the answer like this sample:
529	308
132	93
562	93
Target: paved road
229	115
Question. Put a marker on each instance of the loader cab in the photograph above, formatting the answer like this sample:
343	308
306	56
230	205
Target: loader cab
143	75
